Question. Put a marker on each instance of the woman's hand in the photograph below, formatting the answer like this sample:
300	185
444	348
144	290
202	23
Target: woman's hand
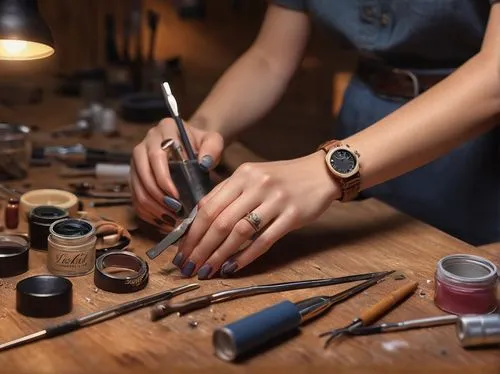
154	196
284	195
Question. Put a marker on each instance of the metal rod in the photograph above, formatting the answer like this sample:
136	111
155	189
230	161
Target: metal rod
405	325
166	308
97	317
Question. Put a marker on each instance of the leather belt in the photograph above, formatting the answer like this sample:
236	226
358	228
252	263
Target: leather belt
396	83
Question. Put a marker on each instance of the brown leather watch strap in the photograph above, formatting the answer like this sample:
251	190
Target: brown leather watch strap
350	186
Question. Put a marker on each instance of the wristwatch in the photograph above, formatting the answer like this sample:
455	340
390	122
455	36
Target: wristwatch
343	164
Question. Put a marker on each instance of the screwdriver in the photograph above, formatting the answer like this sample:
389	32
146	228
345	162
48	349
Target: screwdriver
373	313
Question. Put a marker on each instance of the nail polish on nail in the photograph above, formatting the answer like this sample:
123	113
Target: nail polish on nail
206	162
204	272
178	259
228	267
168	220
188	269
172	203
159	222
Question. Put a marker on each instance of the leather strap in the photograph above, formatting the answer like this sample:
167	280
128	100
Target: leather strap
349	186
393	82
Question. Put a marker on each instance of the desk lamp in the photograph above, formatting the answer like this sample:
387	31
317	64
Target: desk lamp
24	35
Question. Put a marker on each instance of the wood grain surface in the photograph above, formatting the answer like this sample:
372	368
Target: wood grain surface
349	238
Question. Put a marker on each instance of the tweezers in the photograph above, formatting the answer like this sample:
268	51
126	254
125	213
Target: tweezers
163	309
172	236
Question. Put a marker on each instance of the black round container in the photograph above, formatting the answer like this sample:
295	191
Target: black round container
40	219
44	296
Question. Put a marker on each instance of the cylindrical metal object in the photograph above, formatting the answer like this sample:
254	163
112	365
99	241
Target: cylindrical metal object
71	247
482	330
44	296
248	333
121	272
39	222
14	255
466	284
191	181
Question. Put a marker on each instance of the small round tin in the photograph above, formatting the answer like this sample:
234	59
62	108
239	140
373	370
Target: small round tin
466	284
71	247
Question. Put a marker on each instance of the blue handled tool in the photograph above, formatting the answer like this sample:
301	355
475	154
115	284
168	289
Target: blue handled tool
251	332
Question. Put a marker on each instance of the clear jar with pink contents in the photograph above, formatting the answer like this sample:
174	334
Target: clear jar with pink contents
466	284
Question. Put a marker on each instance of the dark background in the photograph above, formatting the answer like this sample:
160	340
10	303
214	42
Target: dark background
303	119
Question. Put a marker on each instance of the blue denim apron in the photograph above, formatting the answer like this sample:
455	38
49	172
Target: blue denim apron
460	192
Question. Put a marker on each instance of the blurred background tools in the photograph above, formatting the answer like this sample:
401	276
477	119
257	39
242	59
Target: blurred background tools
240	337
374	312
78	154
189	305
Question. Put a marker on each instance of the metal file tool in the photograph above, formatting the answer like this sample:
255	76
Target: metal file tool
173	236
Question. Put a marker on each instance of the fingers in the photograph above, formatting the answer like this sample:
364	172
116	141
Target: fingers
242	232
208	211
219	230
145	205
144	173
210	151
281	226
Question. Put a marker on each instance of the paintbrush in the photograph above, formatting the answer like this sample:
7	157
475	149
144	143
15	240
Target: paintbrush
174	112
97	317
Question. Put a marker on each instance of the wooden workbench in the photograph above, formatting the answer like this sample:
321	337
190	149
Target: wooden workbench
349	238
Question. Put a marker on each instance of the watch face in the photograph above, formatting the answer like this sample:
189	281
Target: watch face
343	161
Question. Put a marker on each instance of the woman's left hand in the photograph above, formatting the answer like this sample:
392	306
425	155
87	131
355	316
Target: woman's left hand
284	195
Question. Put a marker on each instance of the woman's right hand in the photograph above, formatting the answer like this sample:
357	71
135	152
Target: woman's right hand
154	195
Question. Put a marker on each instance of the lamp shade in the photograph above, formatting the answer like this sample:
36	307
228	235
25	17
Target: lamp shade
24	35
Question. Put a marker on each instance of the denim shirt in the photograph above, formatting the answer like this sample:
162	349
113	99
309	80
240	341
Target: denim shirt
459	192
434	33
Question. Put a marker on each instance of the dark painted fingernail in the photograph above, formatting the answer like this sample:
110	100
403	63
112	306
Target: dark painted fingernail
206	162
172	203
178	259
168	220
188	269
159	222
204	272
228	268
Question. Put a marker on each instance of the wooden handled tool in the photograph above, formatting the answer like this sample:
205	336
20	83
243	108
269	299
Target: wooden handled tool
374	312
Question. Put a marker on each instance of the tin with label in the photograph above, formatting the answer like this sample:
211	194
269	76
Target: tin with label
71	247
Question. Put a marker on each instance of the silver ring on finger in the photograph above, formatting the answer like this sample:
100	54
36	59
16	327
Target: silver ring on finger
254	220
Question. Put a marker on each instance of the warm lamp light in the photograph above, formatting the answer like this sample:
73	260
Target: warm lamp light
24	35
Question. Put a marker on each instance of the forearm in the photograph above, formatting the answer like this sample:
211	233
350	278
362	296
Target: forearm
461	107
244	94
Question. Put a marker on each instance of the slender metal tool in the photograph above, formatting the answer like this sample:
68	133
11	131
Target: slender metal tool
374	312
253	331
405	325
97	317
174	112
173	236
165	308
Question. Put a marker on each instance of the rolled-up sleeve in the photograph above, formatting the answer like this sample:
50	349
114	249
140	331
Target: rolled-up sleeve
294	4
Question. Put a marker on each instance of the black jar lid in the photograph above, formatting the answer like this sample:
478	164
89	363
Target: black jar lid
47	214
44	296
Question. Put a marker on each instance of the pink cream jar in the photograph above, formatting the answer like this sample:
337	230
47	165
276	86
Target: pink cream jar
466	284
